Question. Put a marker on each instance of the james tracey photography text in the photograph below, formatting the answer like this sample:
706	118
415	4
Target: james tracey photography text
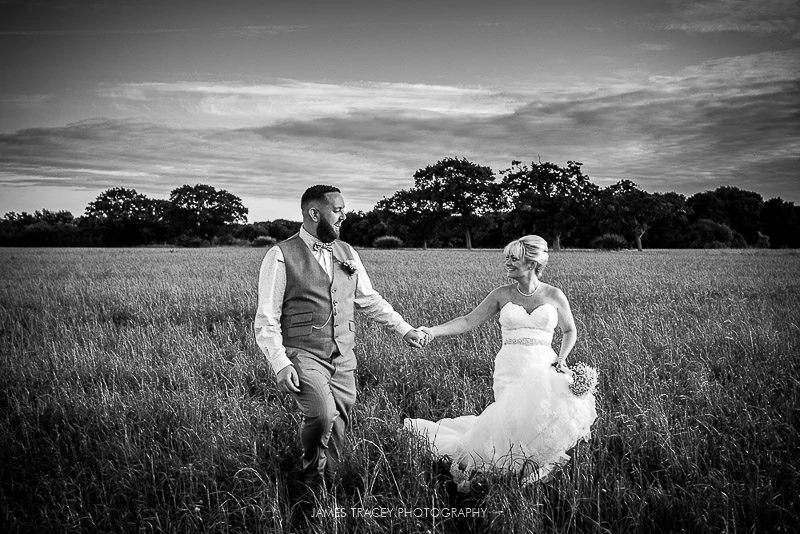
379	512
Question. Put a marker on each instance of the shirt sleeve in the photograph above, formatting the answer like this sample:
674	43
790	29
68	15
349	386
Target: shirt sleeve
375	306
271	287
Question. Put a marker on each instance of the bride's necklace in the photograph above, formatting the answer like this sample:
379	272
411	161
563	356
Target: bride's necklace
528	294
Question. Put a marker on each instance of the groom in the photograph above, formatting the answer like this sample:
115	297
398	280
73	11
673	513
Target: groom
308	289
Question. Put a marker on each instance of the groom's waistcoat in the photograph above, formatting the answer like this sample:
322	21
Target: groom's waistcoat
317	314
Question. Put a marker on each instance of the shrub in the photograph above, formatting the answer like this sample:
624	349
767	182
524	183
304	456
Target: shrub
738	240
706	233
227	240
388	241
610	242
263	241
191	241
248	232
763	241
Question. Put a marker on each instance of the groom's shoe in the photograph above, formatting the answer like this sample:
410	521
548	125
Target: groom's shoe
306	488
309	499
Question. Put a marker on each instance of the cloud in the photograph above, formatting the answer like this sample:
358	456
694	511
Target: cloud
240	105
256	31
759	17
28	100
136	31
740	71
655	47
100	154
726	121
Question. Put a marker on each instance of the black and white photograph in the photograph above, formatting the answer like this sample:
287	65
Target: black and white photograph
409	266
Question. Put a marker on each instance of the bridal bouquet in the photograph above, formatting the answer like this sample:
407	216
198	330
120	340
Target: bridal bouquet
584	379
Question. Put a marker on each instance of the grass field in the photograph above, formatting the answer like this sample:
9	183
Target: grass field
133	397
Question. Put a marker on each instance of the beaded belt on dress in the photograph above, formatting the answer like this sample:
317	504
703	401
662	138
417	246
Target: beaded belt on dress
525	341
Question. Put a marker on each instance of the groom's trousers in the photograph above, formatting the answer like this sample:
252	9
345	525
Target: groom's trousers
327	394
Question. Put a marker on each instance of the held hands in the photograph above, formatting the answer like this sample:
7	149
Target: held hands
429	335
419	337
415	338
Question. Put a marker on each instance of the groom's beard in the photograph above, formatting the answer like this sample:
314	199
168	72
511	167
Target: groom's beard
326	232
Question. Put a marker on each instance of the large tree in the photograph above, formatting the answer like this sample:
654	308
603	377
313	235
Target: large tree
410	211
454	190
547	199
202	210
734	207
455	187
670	230
119	204
635	210
122	216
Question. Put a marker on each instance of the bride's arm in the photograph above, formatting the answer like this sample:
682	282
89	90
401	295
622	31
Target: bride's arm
567	324
482	313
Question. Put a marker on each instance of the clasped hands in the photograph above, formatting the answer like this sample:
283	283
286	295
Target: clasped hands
419	337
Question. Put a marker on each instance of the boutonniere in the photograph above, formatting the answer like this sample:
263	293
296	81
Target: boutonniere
349	266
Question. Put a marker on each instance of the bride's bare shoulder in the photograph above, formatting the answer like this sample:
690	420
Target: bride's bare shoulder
552	293
501	295
503	292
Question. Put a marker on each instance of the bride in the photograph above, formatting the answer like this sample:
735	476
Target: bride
536	417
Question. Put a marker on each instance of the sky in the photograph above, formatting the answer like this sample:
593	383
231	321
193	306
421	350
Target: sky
266	98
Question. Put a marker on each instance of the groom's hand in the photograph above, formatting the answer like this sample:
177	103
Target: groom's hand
415	338
426	331
288	381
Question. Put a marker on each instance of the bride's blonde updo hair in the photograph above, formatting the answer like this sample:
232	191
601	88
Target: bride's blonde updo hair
531	247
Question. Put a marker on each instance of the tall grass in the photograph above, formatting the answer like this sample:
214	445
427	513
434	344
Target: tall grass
133	398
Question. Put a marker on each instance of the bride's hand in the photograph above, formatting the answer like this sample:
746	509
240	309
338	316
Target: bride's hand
429	336
561	367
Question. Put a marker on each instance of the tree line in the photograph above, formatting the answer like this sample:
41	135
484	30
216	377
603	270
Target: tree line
456	202
453	203
193	215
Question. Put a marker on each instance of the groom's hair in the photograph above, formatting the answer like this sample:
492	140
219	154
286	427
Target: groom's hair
316	192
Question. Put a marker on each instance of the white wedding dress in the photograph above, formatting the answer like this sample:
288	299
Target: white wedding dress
535	418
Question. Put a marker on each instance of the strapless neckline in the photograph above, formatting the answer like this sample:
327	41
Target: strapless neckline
543	318
523	307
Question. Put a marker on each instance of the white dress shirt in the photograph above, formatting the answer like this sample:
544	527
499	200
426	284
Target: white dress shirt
272	285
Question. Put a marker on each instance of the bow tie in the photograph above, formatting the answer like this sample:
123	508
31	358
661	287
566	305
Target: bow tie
319	244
